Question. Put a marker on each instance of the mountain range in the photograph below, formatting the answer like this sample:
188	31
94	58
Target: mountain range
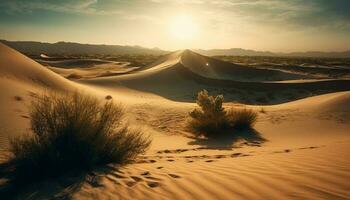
71	48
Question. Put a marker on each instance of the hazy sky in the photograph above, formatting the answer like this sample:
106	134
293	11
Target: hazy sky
274	25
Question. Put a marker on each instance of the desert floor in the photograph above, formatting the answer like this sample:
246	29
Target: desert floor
300	147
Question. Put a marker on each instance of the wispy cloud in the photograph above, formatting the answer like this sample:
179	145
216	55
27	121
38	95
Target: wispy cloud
70	6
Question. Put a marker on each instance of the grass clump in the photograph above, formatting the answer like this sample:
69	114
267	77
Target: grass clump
71	132
241	118
211	119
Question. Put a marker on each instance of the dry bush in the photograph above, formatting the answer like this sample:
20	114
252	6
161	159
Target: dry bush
73	131
211	115
242	118
212	119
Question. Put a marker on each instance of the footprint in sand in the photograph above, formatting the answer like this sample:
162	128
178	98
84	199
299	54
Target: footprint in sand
209	161
160	167
146	173
152	184
189	161
174	176
170	160
136	178
236	155
312	147
220	156
284	151
131	183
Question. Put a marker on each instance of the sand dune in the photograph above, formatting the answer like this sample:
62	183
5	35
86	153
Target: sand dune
180	75
14	65
298	150
20	80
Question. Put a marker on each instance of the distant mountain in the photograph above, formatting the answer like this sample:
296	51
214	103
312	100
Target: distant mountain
233	52
70	48
245	52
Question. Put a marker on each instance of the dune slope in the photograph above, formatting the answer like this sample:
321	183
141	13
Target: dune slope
180	75
20	80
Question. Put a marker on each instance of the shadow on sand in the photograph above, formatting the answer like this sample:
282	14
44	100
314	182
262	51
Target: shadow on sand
58	188
230	138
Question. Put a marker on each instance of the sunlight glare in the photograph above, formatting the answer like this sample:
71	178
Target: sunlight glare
183	27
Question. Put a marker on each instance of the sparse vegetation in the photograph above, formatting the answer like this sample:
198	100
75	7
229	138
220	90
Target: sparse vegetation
73	132
212	119
241	118
262	110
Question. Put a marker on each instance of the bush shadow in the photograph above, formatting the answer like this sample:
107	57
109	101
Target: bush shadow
58	188
230	138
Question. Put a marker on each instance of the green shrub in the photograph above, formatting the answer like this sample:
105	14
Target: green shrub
73	131
211	119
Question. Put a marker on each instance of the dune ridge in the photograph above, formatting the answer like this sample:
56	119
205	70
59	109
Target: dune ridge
178	76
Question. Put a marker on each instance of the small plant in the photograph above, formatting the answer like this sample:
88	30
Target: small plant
262	110
242	118
211	115
74	132
212	119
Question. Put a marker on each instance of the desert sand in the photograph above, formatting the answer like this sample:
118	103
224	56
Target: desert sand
300	148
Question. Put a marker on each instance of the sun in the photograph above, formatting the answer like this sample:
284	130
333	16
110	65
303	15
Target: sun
183	27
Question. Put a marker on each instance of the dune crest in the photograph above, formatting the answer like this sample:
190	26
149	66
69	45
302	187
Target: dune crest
180	75
15	65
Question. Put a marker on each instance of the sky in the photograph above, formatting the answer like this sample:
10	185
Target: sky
267	25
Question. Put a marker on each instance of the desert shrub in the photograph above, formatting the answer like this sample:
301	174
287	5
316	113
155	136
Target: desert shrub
262	110
241	118
212	119
71	132
211	115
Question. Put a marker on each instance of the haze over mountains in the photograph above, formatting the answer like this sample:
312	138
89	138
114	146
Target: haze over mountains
71	48
247	52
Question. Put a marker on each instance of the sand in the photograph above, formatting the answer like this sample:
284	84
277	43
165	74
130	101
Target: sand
299	150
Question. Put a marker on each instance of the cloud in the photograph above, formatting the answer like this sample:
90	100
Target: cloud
70	6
